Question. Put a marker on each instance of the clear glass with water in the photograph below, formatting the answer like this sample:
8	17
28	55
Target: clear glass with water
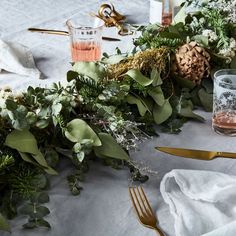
224	102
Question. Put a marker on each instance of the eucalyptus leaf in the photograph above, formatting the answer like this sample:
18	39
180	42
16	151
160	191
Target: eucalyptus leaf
184	83
71	75
208	85
29	225
43	223
162	113
77	130
11	105
136	75
42	124
91	69
202	40
110	148
41	211
40	181
41	198
206	99
51	157
188	112
4	224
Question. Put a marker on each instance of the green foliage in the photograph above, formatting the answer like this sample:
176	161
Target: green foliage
4	224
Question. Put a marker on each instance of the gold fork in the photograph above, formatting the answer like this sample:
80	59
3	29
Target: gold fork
143	209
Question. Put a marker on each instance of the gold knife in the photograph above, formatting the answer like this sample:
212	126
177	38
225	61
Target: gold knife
196	154
65	33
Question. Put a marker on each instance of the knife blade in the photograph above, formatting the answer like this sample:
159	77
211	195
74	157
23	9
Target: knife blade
195	154
65	33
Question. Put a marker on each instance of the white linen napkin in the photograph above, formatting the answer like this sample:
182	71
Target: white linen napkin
203	203
18	59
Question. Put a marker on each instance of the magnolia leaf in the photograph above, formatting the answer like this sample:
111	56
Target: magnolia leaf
142	107
155	77
206	99
157	95
114	59
3	224
136	75
162	113
41	160
77	130
91	69
187	112
22	141
110	148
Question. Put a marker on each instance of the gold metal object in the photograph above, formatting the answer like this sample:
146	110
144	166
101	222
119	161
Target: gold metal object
143	209
64	33
111	17
196	154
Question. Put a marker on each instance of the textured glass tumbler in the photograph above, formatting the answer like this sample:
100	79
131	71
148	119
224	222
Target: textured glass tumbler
224	102
85	38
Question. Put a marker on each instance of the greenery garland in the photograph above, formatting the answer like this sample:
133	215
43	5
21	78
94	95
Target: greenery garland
104	111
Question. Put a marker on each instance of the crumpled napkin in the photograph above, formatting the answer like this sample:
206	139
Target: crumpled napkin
203	203
18	59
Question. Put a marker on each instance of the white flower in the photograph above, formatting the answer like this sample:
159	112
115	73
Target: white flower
232	43
227	52
210	34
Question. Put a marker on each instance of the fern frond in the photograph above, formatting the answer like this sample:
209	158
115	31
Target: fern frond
88	82
6	161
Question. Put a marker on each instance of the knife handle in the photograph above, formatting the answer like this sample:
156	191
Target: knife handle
226	154
47	31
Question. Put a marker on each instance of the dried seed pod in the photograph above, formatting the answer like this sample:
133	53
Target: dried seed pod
191	62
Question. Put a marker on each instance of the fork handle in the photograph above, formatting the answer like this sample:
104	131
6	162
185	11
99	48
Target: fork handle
159	232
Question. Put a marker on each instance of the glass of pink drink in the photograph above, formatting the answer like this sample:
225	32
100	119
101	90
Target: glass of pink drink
85	38
224	102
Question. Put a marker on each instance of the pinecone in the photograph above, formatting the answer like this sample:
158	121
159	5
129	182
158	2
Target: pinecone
191	62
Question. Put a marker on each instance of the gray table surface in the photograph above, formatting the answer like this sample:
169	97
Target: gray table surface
104	207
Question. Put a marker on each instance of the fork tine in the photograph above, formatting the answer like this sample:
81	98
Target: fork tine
143	200
146	200
138	201
133	201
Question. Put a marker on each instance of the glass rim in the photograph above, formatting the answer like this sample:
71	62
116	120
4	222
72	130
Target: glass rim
80	27
230	72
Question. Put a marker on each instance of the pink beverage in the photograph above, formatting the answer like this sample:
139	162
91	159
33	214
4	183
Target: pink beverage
85	51
224	120
224	102
85	37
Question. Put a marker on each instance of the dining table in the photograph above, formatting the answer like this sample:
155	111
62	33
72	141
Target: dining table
104	207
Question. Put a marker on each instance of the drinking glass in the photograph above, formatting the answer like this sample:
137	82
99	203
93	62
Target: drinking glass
224	102
85	38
